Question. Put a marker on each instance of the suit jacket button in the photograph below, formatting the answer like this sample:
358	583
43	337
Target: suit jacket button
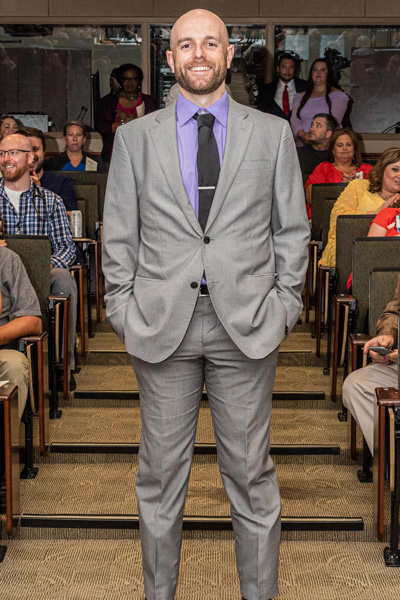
206	240
194	284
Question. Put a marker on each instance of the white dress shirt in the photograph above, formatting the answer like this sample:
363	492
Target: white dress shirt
279	92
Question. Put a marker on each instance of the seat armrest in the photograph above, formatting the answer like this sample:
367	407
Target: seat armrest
32	339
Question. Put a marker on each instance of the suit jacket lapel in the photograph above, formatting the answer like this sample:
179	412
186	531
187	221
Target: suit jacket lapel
166	147
238	135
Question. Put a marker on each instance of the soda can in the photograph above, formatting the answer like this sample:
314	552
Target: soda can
76	223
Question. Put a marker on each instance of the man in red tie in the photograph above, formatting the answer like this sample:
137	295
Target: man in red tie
276	97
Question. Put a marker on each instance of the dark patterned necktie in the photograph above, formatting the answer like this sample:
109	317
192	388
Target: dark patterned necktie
208	167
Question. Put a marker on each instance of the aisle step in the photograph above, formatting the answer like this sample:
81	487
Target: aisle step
199	448
190	523
134	395
314	497
286	357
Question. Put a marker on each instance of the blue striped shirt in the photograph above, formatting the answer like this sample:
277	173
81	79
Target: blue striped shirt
39	217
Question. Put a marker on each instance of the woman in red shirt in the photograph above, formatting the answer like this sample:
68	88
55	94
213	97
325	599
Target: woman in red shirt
343	164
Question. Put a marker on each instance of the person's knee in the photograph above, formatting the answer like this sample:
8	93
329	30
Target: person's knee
14	366
62	281
350	383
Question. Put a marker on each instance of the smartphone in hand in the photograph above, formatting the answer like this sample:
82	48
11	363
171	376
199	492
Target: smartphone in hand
382	350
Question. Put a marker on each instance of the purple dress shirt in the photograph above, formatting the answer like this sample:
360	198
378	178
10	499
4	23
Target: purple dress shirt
186	128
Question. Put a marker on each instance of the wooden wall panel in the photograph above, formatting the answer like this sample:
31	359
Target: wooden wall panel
103	8
55	86
24	8
223	8
252	9
79	67
311	8
387	8
31	62
9	81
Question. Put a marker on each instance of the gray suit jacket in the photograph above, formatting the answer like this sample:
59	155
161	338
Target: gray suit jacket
154	247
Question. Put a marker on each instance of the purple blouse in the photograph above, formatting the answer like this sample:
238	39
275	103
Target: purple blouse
312	107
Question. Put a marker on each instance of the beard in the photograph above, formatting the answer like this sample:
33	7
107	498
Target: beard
201	88
37	166
15	175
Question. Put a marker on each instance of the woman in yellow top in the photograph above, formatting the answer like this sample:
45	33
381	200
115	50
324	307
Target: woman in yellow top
366	196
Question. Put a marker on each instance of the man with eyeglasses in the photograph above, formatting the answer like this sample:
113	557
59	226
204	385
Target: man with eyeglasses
32	210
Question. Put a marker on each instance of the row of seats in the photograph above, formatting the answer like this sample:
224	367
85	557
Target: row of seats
355	254
48	354
351	320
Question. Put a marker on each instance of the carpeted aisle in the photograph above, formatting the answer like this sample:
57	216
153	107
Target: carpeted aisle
111	570
61	563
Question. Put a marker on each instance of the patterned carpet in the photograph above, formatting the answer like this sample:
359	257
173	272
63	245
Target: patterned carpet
96	564
111	570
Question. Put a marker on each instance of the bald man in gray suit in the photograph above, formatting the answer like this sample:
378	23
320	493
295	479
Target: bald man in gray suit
208	305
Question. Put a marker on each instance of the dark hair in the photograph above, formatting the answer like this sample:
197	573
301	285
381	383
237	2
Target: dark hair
129	67
4	117
331	122
352	135
33	132
76	124
375	176
330	84
286	56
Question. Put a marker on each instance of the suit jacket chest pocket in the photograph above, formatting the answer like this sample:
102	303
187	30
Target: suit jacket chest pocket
255	176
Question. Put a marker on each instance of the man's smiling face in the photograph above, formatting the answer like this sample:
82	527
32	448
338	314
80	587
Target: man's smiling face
200	54
14	166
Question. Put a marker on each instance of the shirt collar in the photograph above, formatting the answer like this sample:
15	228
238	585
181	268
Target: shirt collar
185	109
2	186
281	84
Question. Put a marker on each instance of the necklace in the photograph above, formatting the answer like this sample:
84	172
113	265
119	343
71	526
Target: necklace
130	98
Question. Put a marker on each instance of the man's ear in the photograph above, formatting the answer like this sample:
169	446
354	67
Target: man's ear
170	60
328	134
229	55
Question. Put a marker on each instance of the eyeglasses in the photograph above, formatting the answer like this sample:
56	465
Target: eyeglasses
12	153
130	78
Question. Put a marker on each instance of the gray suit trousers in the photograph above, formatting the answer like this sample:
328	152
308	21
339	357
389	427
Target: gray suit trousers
240	396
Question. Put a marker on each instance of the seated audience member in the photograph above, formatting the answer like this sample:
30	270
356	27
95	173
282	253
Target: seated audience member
344	162
359	386
321	95
19	316
29	209
316	151
74	158
62	186
365	196
387	222
277	97
7	125
123	107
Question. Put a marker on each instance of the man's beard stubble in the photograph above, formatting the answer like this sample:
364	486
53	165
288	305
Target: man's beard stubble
11	177
37	167
184	82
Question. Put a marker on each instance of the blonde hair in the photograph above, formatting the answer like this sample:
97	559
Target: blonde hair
375	177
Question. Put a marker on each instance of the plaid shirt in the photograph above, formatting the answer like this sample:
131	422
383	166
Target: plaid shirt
54	223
